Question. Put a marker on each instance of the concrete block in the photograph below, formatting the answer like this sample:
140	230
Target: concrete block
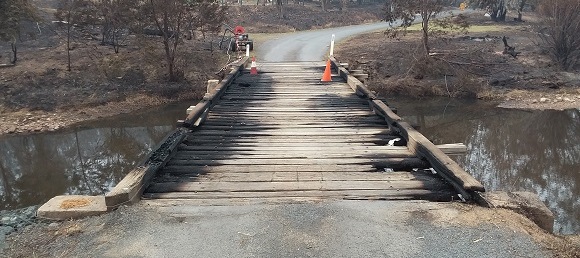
65	207
525	203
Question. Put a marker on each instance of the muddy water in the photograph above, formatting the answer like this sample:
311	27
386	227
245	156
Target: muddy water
88	159
512	150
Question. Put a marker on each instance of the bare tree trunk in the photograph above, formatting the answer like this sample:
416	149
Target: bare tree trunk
521	9
14	51
68	31
499	11
280	5
343	4
7	189
169	55
426	34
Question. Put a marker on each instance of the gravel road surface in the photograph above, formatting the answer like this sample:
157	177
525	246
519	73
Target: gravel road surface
309	45
326	229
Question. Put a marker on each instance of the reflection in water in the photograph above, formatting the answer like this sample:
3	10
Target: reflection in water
90	159
511	150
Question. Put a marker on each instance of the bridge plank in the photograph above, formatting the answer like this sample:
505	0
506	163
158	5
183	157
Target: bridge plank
201	169
395	163
313	147
295	120
249	140
328	132
414	194
289	110
291	176
304	155
257	126
213	186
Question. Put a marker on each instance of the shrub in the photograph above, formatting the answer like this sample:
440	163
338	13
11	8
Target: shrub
561	31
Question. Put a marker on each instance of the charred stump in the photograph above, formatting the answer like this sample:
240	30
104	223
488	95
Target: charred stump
509	50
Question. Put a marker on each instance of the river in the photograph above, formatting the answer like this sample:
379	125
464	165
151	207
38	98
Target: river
513	150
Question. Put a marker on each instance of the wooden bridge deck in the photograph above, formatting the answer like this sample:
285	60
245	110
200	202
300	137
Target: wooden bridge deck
282	135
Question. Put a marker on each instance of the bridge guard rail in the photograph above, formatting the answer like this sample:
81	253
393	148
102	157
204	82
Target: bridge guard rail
212	97
418	144
130	189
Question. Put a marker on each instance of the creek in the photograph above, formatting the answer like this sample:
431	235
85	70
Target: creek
509	150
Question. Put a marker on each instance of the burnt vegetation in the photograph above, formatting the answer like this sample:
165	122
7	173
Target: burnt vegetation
473	54
90	52
73	54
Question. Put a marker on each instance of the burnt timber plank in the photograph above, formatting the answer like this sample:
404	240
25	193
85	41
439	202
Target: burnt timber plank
394	194
395	163
267	168
213	186
288	176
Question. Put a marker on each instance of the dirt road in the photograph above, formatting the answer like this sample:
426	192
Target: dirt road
327	229
309	45
314	45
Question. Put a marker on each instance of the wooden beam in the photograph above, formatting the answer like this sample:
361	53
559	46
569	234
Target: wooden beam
219	186
405	164
201	169
276	176
209	100
441	163
211	198
129	190
417	143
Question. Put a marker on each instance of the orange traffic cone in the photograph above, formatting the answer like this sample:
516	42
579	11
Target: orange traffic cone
326	77
253	68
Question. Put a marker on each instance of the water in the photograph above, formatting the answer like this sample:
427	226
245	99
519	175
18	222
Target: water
510	150
89	159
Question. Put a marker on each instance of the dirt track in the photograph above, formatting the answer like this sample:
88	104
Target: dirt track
309	45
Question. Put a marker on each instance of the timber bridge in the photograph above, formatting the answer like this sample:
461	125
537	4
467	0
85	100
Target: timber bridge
283	136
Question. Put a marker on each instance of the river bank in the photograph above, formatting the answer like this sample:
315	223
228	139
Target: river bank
466	65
